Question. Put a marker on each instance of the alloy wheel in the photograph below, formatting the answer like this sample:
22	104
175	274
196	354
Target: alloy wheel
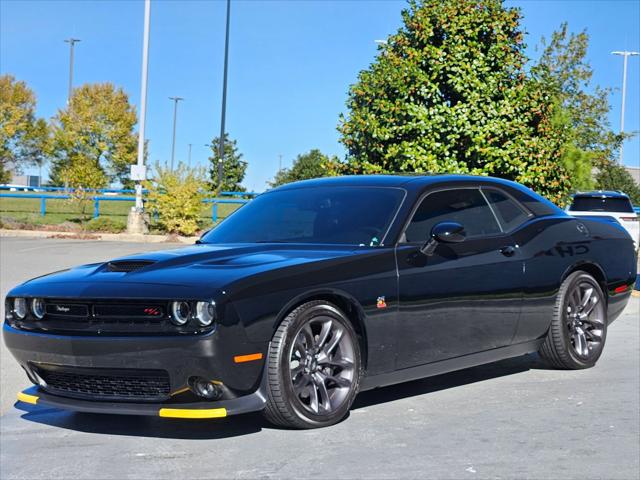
321	363
585	316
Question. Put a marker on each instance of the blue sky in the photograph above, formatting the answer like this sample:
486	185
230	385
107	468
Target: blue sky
291	63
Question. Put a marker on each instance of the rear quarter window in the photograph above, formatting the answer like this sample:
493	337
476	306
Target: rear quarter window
509	212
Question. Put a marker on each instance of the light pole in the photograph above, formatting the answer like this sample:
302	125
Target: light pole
224	99
175	115
72	42
189	157
139	174
625	54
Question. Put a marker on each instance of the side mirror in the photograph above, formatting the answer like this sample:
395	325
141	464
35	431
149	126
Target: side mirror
443	232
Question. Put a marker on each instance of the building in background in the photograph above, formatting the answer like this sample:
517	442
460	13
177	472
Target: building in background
635	173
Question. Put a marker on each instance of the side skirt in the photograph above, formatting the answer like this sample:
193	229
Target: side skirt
450	365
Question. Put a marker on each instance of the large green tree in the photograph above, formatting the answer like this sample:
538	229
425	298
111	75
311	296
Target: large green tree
234	168
312	164
23	136
613	176
582	110
97	127
449	93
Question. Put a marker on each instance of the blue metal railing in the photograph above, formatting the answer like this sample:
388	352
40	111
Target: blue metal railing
106	190
111	198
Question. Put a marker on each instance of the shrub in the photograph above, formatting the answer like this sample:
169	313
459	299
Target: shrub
177	198
105	224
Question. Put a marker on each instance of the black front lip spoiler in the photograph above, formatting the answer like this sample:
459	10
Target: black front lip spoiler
253	402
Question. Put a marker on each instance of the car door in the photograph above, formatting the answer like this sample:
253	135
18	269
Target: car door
465	297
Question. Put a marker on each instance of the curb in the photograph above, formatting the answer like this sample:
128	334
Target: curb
96	236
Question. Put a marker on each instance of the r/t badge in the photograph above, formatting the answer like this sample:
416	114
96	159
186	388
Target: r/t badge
381	303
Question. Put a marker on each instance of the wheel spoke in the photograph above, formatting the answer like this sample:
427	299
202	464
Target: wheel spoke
594	335
580	341
586	296
344	363
324	333
574	300
340	382
325	400
593	301
595	322
335	340
313	397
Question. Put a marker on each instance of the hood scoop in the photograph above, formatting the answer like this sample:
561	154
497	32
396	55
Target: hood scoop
127	266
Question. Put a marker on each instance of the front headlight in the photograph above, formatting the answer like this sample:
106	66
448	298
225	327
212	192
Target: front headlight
37	307
20	308
181	312
205	312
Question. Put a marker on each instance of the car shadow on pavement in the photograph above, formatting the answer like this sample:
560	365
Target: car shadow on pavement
445	381
144	426
247	424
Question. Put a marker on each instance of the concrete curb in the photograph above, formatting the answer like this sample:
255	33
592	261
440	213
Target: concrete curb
110	237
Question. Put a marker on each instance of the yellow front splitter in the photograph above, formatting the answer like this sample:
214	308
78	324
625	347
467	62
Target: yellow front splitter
192	412
33	396
26	398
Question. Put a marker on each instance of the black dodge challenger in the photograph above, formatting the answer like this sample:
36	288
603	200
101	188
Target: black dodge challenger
320	289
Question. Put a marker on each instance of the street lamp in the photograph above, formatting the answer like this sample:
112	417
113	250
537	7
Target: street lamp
175	114
224	99
189	157
625	54
138	172
72	42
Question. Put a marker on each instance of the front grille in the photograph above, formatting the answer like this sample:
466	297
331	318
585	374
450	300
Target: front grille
128	265
105	384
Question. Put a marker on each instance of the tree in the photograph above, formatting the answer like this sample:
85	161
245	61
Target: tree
177	197
582	111
613	176
96	127
83	178
312	164
23	137
448	93
234	167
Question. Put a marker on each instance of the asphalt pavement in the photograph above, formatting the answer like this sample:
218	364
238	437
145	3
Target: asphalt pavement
511	419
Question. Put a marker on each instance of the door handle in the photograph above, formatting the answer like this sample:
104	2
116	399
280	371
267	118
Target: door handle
508	251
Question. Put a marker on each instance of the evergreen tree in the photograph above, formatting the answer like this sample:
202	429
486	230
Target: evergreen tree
234	168
448	93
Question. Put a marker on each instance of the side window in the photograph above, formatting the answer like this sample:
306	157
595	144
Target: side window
509	213
465	206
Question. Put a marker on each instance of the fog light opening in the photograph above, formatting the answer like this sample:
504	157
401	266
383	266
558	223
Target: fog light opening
205	388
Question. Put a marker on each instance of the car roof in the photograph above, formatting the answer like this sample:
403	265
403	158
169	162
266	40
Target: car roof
409	181
600	194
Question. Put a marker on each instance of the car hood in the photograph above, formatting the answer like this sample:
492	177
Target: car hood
191	272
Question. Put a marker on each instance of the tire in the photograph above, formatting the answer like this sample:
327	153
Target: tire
578	329
314	346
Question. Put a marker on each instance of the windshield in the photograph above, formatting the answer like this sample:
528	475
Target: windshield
597	204
333	215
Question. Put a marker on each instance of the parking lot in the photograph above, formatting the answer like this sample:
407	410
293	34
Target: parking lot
511	419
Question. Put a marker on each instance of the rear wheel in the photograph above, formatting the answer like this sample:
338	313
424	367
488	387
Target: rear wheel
314	368
579	327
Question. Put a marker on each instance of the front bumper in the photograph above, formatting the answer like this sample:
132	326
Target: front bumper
208	356
249	403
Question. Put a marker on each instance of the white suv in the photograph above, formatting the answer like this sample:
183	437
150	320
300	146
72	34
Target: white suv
615	206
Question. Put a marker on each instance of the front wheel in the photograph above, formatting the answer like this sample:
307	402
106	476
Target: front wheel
579	327
313	368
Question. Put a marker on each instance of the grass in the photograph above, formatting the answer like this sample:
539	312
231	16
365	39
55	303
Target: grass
61	211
